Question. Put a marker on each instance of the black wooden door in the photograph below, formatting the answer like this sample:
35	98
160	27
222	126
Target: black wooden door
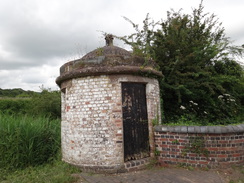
135	121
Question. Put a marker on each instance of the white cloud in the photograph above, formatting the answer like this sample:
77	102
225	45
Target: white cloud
38	36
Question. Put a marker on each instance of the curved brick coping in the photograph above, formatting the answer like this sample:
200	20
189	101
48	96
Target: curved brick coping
201	129
107	70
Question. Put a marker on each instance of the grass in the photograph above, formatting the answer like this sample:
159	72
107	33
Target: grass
27	141
30	151
56	172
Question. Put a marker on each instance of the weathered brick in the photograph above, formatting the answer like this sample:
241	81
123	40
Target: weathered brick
221	148
92	118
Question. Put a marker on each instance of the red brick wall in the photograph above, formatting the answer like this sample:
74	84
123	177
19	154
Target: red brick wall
199	149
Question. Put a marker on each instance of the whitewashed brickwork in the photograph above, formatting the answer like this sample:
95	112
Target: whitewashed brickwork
92	122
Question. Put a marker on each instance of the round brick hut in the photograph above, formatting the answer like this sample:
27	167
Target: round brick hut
110	100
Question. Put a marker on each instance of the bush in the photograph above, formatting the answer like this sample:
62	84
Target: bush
202	77
47	103
27	141
15	105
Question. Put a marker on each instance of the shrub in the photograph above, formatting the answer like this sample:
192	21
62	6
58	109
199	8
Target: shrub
199	64
15	105
47	103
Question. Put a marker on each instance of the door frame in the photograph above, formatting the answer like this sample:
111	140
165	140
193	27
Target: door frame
148	125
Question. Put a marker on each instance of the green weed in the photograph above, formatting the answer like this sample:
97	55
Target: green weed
27	141
196	145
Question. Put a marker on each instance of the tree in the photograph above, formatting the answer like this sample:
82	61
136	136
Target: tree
198	63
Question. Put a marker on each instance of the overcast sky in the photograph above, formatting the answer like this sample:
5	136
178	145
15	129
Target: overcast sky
38	36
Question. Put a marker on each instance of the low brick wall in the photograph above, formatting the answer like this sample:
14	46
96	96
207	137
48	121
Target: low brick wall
200	146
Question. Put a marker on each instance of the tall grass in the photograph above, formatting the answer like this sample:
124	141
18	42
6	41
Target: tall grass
27	141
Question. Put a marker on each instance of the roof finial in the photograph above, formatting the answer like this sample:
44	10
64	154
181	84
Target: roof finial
109	39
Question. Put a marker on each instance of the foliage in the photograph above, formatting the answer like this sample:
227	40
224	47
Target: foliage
15	105
196	145
47	103
57	172
157	152
17	92
198	63
30	137
27	141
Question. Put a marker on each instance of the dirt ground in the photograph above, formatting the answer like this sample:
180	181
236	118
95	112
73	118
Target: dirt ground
234	174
